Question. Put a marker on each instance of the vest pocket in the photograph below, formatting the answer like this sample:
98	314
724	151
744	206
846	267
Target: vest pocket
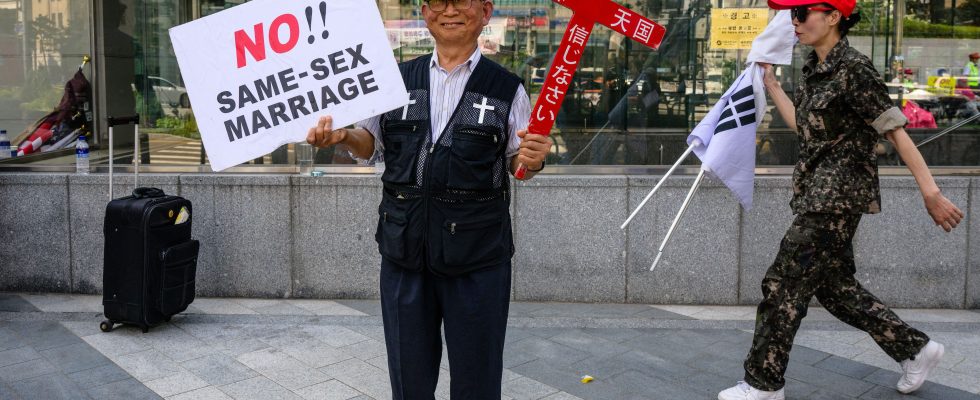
472	242
391	234
474	152
402	141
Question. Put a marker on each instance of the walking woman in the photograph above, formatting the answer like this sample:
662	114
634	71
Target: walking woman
842	110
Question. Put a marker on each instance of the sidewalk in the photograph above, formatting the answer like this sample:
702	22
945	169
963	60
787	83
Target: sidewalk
51	348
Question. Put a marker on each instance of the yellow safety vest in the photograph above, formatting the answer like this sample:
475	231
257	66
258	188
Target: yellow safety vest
974	78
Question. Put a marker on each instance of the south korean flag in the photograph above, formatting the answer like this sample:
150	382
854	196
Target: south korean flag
727	133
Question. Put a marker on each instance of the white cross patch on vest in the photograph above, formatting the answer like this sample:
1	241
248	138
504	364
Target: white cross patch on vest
405	109
483	107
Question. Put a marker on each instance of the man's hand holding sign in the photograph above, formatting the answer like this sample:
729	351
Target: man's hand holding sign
260	74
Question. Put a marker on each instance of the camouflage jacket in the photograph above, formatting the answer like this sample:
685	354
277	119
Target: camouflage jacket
842	111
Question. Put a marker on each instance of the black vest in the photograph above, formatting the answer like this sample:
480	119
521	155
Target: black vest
446	204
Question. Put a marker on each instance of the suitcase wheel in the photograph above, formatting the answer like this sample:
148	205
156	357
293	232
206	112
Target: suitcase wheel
106	326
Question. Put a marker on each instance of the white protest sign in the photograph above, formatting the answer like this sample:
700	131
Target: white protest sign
260	74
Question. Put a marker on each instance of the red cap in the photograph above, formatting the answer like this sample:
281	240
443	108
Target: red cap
974	56
846	7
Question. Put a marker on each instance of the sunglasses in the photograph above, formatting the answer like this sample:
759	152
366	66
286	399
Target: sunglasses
800	13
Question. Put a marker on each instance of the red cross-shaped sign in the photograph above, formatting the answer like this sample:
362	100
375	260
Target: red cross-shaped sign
586	14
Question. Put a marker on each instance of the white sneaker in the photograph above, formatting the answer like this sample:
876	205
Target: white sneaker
743	391
917	369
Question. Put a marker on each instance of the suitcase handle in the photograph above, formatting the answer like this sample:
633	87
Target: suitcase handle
142	192
133	119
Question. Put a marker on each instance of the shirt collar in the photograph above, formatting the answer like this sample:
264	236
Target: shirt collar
469	63
834	57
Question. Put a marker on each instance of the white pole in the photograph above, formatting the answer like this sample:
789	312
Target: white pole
687	202
110	160
687	152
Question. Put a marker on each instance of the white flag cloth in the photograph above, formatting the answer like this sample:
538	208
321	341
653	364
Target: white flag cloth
727	133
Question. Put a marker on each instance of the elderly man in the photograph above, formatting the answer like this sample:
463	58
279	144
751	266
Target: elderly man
444	223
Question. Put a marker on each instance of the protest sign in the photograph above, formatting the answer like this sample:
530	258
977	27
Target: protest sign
260	74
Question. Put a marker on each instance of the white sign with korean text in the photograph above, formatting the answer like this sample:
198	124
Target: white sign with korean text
260	74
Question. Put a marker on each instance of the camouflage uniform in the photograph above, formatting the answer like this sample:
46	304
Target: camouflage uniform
842	111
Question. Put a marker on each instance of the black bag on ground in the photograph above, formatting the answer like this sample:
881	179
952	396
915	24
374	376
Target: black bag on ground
150	259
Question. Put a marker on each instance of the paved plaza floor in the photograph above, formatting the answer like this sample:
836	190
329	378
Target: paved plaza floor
51	348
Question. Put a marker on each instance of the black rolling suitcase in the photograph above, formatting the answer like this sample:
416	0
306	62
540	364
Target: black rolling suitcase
150	259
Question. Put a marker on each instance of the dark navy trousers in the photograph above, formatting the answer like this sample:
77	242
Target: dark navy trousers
473	311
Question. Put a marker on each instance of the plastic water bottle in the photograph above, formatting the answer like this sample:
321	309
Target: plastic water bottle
81	156
4	144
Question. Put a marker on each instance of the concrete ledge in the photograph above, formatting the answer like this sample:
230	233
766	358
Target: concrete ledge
313	237
34	231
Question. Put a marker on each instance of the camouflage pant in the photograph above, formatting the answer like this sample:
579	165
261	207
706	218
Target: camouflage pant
816	258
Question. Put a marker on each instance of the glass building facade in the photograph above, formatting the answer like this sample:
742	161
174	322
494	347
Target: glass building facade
628	105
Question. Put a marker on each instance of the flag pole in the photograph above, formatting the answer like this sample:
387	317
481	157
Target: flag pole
695	143
687	202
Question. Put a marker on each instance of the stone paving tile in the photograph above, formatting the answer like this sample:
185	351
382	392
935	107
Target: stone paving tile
580	340
827	380
845	367
49	387
39	300
74	304
336	336
181	382
326	307
82	328
115	344
524	388
885	393
561	396
18	355
583	310
75	357
147	365
284	370
220	306
126	389
42	335
369	307
928	391
7	393
219	369
282	308
258	388
8	339
361	376
616	335
366	350
27	370
205	393
315	353
523	309
329	390
99	376
15	303
533	348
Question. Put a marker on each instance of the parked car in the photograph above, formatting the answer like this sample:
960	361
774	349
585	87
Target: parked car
168	93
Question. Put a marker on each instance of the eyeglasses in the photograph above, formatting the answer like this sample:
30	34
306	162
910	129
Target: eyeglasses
800	13
440	5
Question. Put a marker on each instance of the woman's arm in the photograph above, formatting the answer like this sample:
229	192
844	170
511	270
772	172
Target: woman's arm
943	212
783	103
